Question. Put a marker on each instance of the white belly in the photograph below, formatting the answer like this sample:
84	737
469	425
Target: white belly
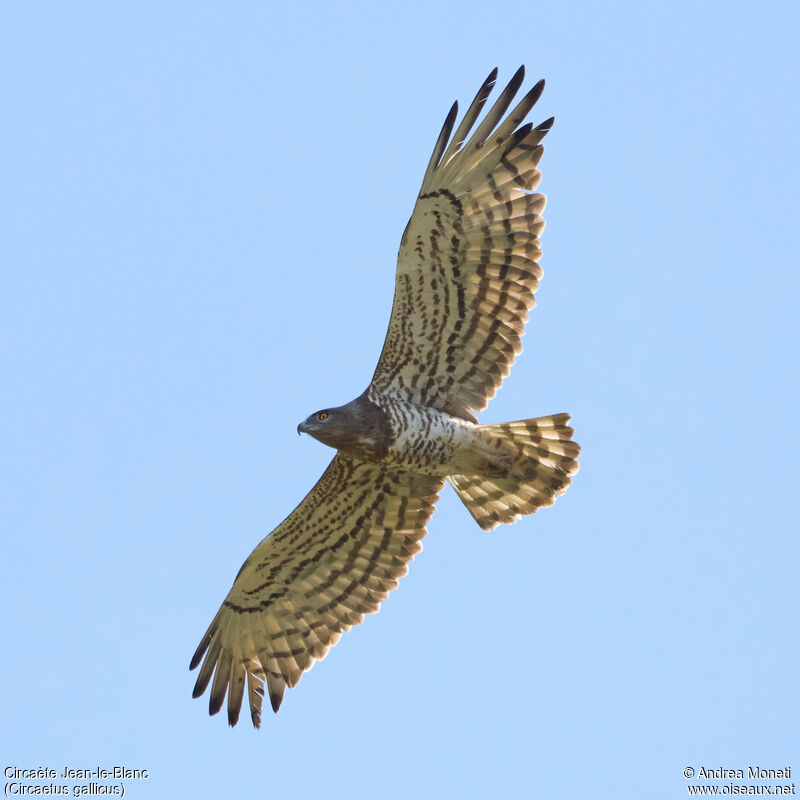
435	443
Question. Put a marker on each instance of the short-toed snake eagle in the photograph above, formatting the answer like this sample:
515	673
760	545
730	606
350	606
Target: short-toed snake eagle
467	271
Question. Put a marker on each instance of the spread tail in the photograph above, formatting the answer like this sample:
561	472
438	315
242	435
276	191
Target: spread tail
544	459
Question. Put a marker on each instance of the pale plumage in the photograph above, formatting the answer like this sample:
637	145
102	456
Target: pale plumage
466	276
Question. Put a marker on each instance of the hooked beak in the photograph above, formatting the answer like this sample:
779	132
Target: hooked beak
302	427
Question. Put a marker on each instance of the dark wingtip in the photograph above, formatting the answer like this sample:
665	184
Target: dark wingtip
215	703
444	136
233	716
516	81
546	125
537	90
201	650
275	699
523	131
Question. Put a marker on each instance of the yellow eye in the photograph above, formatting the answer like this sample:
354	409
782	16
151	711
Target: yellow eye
322	416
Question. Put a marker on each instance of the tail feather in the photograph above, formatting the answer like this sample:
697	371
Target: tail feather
545	458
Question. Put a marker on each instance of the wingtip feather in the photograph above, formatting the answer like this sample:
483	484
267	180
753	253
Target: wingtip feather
214	705
201	649
545	126
276	686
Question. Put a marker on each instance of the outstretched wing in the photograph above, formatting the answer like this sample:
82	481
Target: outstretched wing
467	268
332	560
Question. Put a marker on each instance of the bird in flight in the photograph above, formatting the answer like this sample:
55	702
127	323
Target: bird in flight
466	275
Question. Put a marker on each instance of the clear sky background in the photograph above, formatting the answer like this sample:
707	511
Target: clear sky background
201	206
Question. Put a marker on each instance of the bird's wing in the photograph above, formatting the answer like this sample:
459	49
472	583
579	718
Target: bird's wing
467	268
332	560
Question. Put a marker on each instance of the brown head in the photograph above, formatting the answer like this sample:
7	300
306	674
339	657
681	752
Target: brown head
360	429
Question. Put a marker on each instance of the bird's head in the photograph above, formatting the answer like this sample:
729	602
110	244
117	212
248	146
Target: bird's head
359	428
323	425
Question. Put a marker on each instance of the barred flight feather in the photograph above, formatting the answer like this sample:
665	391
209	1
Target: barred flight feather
475	206
321	583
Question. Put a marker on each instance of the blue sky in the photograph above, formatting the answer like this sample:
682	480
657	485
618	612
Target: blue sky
201	206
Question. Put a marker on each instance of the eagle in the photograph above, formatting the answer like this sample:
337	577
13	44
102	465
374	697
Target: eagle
467	271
